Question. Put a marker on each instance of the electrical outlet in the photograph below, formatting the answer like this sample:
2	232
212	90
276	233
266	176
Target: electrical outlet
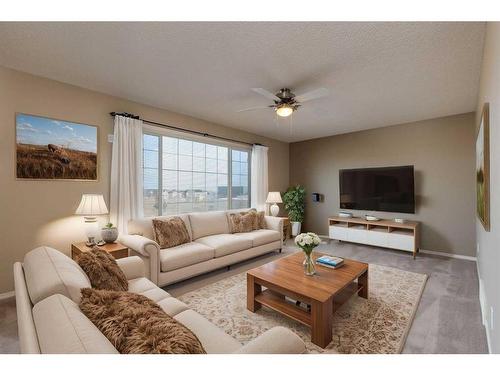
111	138
492	320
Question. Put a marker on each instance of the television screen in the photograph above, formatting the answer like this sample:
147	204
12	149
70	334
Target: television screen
388	189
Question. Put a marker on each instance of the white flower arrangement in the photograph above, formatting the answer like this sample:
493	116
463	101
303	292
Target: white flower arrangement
307	241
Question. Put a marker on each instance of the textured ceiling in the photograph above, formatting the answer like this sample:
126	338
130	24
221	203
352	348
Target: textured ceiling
378	74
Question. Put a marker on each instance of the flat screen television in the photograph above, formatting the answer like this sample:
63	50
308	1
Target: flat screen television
389	189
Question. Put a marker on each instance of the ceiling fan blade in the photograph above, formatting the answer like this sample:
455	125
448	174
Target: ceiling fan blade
314	94
266	93
252	108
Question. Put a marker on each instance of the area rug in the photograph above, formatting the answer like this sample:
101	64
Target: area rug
377	325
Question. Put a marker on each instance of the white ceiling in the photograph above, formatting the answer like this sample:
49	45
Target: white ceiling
378	74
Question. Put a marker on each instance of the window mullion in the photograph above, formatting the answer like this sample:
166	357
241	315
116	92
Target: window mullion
230	178
160	176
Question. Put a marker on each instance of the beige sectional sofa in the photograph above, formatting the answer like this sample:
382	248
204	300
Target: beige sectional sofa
48	285
212	245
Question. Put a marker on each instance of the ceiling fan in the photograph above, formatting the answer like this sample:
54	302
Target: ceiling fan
285	101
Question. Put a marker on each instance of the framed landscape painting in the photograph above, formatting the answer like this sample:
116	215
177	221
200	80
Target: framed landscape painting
483	169
49	149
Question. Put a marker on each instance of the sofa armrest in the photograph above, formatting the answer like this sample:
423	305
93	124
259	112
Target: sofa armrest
274	223
139	244
148	250
132	267
278	340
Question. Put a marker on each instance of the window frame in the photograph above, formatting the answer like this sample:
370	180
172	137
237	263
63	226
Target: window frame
160	133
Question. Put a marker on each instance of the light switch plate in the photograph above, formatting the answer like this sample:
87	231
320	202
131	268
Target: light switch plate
111	138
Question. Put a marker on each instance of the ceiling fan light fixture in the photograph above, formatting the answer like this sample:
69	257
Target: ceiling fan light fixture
284	110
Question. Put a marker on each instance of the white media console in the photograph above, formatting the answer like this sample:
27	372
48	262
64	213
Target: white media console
384	233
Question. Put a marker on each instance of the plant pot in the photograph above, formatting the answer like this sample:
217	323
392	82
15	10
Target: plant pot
109	235
296	225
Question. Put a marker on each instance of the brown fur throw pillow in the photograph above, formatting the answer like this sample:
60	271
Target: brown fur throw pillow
170	232
243	222
102	270
261	221
134	324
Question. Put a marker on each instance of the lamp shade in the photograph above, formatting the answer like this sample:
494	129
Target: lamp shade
91	205
274	197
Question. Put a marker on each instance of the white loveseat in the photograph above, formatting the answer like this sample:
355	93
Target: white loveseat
48	285
212	245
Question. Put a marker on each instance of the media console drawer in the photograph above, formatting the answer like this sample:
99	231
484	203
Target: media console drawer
383	233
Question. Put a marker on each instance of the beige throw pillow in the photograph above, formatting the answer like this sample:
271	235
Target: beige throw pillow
170	232
102	270
134	324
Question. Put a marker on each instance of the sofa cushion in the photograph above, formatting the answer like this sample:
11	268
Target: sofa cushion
225	244
48	272
172	306
144	227
213	339
137	325
102	270
184	255
208	223
147	288
261	236
62	328
170	232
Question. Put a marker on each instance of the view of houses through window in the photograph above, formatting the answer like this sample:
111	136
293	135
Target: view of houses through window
182	175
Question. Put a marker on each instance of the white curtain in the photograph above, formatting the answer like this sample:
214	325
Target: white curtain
259	177
126	173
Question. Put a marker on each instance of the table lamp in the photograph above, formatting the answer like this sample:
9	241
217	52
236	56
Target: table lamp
90	206
274	197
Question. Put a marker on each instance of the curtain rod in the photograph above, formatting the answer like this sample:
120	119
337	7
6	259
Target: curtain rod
125	114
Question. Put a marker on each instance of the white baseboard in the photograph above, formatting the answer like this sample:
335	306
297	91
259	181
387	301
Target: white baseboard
483	304
455	256
7	295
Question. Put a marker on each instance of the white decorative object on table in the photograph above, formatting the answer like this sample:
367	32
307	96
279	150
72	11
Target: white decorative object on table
274	197
307	242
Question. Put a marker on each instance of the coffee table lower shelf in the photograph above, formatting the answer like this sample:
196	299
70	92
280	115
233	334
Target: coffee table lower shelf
279	303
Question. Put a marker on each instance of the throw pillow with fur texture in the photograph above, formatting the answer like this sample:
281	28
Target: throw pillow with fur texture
243	222
134	324
170	232
261	221
102	270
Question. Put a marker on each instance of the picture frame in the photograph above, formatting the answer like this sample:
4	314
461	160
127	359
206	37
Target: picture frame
483	169
55	150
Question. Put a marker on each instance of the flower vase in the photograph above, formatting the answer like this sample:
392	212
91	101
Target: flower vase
309	268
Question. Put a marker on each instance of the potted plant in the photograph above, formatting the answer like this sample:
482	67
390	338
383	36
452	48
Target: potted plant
307	242
294	200
109	233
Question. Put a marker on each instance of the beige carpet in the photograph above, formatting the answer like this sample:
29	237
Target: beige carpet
377	325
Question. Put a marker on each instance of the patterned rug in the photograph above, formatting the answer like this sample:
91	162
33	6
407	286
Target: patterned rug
377	325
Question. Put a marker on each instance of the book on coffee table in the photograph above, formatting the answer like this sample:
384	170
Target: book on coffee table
330	261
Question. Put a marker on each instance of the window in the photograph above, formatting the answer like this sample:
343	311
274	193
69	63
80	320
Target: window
183	175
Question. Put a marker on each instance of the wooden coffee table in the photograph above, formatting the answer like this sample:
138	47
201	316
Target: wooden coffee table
323	293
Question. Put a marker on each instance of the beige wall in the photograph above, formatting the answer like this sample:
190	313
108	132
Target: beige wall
34	213
442	151
488	256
